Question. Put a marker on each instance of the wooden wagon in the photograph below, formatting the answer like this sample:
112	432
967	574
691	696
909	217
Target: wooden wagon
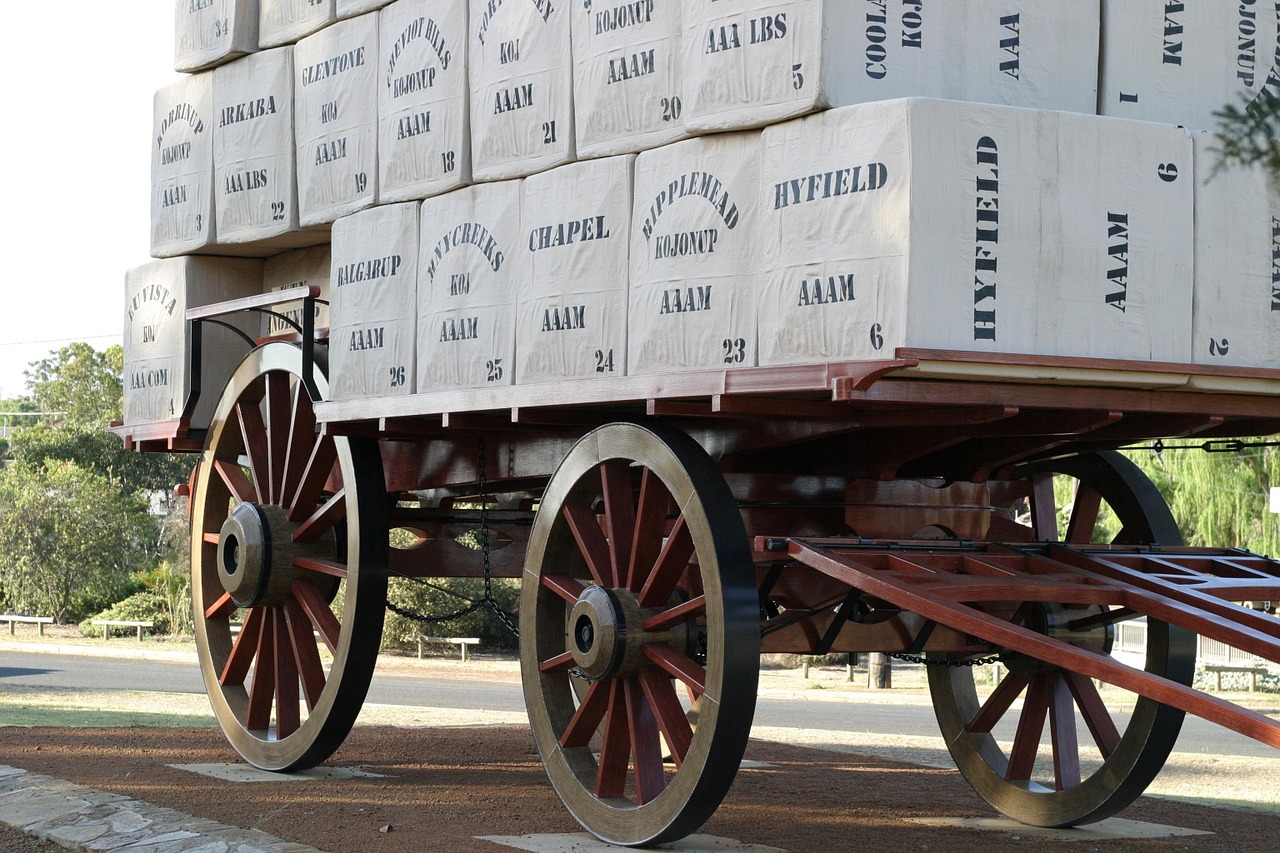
669	529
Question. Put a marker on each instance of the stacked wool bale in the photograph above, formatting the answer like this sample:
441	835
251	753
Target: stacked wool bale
1182	62
468	282
951	225
286	21
571	317
336	119
211	32
373	286
627	84
519	60
424	144
1237	297
693	295
351	8
298	268
156	341
748	63
182	196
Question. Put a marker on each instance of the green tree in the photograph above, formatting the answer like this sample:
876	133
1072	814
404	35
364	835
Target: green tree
70	537
1248	132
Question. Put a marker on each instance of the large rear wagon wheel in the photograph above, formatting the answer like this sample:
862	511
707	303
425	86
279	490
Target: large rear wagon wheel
1066	782
278	513
638	590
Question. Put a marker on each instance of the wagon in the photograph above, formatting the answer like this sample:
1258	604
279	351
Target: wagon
669	529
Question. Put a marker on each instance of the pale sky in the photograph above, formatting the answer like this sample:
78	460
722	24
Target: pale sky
76	82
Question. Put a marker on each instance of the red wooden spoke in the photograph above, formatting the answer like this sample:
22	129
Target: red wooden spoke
287	715
312	481
679	665
222	608
588	716
233	476
661	693
650	527
619	517
1044	508
310	668
991	712
591	542
1026	740
243	648
318	564
564	586
1084	514
302	441
646	751
254	431
279	422
615	747
1095	713
211	538
321	616
672	562
691	609
1062	730
559	662
263	688
323	519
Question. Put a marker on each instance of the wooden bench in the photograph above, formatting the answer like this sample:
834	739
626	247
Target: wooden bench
462	642
108	624
40	621
1218	669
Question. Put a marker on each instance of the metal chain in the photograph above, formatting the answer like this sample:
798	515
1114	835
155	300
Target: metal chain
1216	445
902	656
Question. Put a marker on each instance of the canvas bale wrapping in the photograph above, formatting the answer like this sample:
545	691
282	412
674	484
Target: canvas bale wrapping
519	60
1236	308
351	8
374	287
469	280
210	32
157	344
1181	62
748	64
182	197
627	86
285	21
336	117
424	138
300	267
571	319
694	255
254	174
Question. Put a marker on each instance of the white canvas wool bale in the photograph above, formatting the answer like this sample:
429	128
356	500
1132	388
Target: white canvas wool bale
749	63
210	32
470	276
1181	62
286	21
519	55
253	151
1236	310
571	319
157	345
946	225
424	142
298	268
351	8
627	86
182	195
694	255
336	119
373	287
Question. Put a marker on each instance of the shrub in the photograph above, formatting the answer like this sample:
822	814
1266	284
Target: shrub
139	607
443	596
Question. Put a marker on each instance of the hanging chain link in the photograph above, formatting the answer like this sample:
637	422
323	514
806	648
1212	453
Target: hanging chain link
902	656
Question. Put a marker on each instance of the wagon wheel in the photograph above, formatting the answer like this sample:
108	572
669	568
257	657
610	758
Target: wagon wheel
639	584
277	518
1061	790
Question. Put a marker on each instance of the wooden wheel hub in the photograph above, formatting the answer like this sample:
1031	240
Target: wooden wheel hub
255	555
607	630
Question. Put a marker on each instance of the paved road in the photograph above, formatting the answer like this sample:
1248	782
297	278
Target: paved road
52	671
